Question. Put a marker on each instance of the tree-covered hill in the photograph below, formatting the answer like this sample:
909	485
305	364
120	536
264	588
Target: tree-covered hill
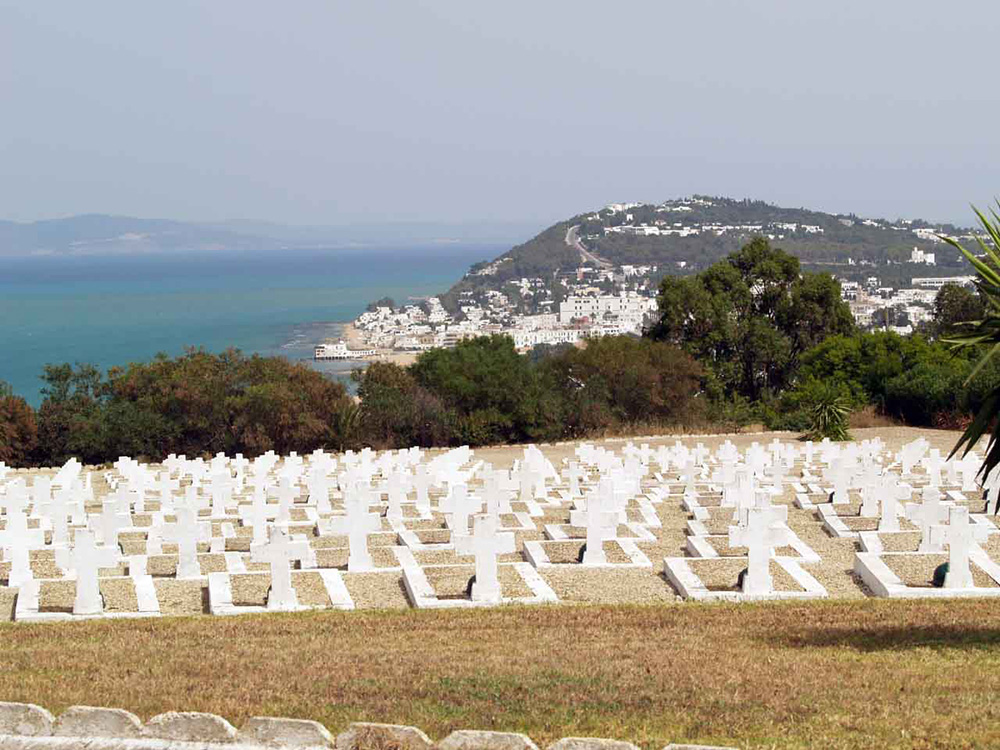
685	236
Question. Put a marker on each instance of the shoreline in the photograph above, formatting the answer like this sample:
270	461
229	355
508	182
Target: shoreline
352	336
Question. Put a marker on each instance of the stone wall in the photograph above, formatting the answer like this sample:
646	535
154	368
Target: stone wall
24	726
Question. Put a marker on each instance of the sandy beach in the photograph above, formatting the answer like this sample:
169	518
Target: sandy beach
355	340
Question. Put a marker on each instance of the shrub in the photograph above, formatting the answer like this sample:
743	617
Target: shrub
18	428
829	415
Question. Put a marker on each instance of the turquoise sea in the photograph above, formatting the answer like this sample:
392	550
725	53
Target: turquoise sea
114	310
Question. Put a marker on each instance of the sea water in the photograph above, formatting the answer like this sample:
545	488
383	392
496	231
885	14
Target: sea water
118	309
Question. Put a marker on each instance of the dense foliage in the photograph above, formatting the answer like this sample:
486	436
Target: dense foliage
750	317
482	391
195	404
18	429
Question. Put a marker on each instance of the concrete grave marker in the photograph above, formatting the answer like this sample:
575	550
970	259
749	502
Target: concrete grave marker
486	544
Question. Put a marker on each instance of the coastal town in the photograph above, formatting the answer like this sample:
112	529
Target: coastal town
600	298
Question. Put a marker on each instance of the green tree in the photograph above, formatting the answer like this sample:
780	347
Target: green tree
397	412
749	317
69	418
955	304
496	394
622	381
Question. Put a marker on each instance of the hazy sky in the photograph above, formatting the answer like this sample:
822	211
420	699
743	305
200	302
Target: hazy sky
328	112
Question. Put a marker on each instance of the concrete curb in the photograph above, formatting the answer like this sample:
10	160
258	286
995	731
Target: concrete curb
25	726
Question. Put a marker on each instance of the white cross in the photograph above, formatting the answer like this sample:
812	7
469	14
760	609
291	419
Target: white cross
601	522
526	484
574	475
892	492
319	490
395	495
41	491
84	561
111	521
969	467
279	552
870	487
929	512
485	543
287	493
137	491
17	541
764	530
357	524
688	477
221	492
166	486
933	464
460	505
422	483
186	532
841	474
960	535
59	510
497	501
778	476
257	515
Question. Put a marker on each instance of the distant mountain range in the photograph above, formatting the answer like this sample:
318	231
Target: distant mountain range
94	234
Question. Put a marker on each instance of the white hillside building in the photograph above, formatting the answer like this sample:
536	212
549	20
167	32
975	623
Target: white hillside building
629	309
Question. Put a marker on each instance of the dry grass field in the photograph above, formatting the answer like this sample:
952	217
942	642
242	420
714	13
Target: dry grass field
846	674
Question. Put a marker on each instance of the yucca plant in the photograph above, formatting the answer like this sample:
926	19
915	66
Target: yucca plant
982	333
829	415
346	424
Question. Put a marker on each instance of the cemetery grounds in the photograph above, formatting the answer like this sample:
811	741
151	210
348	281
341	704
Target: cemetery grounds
615	651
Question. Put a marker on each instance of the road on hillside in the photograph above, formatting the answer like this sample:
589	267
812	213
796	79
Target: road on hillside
573	240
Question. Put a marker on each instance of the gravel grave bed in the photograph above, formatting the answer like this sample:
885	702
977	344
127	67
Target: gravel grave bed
451	582
434	536
385	539
329	541
721	574
424	524
328	557
992	546
904	541
212	564
58	596
8	602
377	590
856	523
569	552
918	570
580	532
721	545
238	543
609	585
162	566
251	590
